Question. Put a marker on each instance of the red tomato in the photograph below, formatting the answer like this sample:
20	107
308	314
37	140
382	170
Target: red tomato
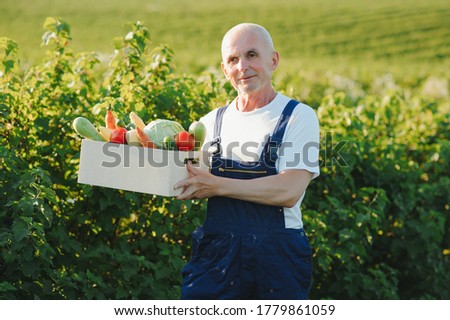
118	135
184	141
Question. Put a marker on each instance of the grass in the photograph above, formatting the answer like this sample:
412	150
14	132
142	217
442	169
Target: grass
348	36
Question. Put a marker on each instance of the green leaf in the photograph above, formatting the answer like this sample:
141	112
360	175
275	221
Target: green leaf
49	22
9	65
20	230
6	286
121	293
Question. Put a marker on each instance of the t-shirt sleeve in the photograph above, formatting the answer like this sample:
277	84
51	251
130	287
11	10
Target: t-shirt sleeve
301	142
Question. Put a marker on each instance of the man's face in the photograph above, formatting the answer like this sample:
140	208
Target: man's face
248	62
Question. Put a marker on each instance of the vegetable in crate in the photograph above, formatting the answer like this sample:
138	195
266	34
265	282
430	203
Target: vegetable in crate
110	120
137	121
157	130
86	129
198	130
105	132
184	141
120	123
118	135
144	139
132	138
169	143
130	126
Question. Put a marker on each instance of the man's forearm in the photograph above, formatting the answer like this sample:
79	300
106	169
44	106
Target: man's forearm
283	189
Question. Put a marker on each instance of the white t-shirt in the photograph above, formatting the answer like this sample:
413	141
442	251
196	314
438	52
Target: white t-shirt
244	134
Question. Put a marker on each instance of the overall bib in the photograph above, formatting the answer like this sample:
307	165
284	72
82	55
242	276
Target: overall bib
243	250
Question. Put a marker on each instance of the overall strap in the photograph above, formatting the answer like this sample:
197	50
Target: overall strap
279	130
218	124
217	128
270	149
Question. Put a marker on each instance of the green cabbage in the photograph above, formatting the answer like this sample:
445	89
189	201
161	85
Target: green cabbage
158	129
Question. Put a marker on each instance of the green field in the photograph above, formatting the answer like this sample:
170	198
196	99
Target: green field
394	36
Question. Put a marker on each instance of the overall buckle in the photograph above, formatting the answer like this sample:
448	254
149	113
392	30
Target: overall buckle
215	147
271	151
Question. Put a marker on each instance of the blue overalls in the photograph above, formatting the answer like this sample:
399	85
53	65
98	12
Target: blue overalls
243	250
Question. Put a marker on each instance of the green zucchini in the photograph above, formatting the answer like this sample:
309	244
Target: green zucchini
86	129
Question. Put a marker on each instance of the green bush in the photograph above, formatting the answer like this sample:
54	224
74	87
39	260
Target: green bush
377	216
379	213
59	239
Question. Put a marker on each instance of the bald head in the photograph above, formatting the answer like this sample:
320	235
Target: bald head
248	61
247	28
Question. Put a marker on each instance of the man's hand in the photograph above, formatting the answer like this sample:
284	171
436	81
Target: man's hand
200	184
283	189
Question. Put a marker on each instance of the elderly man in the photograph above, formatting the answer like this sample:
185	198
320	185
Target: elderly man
252	244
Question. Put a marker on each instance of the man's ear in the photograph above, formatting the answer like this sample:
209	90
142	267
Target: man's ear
224	70
275	60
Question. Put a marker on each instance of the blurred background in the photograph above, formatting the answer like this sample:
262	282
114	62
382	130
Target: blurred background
396	35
